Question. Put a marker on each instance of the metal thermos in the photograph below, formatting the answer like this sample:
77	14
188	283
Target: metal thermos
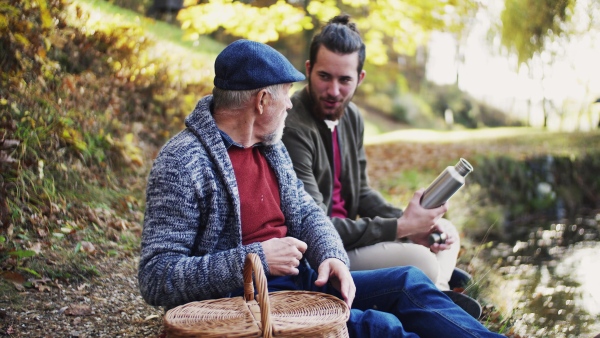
445	185
442	188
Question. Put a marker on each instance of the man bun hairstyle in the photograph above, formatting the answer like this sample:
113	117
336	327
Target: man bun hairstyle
340	36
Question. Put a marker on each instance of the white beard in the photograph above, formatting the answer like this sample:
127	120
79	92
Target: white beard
274	137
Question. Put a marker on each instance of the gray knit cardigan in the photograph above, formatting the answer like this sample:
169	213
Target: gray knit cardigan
191	243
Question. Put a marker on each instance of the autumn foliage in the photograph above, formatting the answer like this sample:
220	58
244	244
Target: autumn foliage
81	112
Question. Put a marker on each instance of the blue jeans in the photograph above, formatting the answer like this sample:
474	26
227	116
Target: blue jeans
393	302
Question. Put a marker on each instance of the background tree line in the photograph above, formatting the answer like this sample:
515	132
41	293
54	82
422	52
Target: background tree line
535	33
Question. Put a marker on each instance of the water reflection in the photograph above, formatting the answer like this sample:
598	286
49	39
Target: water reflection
551	281
549	270
558	298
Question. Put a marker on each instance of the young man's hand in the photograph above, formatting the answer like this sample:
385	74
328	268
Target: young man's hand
283	255
423	238
336	272
417	220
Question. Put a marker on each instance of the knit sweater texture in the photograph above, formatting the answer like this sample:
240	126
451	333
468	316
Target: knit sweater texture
191	242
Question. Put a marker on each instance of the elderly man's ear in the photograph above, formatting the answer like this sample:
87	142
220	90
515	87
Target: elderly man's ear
262	99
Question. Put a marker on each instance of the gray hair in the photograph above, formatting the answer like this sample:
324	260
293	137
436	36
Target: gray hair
237	99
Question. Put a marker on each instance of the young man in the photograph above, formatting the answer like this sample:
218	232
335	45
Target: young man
324	137
225	187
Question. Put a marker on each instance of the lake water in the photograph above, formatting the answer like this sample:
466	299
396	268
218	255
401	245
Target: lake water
544	264
550	281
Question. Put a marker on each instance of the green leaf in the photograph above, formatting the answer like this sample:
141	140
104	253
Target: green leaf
33	272
22	253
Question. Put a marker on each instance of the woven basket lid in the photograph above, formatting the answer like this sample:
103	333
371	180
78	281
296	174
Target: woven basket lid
283	313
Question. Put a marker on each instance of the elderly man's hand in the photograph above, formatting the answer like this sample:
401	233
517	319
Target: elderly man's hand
337	273
283	255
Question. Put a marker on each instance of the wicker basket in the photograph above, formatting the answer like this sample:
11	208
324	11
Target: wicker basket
275	314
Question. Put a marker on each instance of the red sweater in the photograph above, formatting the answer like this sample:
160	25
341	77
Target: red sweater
260	205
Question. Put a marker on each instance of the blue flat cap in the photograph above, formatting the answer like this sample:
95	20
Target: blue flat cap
246	65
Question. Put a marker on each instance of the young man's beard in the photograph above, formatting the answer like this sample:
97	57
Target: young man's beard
318	111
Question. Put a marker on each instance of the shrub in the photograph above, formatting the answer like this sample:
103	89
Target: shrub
80	111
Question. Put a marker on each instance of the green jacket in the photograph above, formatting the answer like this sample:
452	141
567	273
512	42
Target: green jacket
308	141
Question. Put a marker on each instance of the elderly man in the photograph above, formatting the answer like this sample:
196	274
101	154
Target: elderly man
225	187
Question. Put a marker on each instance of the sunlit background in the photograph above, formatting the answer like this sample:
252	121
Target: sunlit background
570	80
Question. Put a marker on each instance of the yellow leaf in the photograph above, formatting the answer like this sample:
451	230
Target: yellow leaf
136	159
129	138
41	52
109	139
3	21
80	144
46	19
21	39
44	9
66	135
356	3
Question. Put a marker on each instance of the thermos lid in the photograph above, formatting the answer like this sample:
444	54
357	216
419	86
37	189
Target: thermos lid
463	167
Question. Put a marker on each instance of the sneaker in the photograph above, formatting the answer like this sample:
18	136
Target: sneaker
460	278
470	305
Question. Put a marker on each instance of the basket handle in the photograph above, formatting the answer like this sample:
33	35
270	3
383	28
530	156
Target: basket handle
253	263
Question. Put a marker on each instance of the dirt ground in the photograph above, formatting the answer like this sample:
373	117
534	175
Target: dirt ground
105	306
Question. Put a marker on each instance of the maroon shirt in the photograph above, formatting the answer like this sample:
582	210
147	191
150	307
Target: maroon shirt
337	207
260	205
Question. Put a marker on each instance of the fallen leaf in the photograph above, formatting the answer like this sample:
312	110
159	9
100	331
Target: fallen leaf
118	224
41	280
14	277
42	288
78	310
4	157
92	216
151	317
7	144
37	247
88	247
19	287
